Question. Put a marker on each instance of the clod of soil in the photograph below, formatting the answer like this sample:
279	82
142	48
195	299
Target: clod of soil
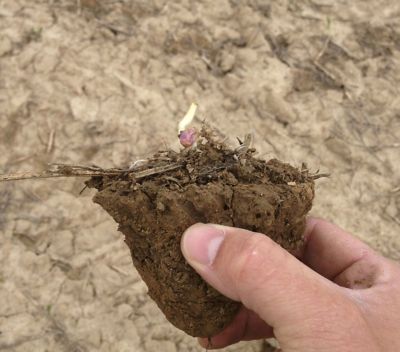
210	183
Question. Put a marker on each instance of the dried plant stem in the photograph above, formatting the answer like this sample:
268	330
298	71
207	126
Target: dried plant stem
51	174
62	170
155	170
317	176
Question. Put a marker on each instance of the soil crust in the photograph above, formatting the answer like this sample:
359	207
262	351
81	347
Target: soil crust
211	183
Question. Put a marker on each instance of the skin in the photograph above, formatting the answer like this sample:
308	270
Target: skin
338	295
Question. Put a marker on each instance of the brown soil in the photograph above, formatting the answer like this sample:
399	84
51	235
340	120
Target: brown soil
211	184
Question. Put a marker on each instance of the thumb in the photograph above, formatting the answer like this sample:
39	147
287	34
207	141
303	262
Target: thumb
251	268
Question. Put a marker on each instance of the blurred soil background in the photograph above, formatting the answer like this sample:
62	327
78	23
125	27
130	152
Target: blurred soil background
106	82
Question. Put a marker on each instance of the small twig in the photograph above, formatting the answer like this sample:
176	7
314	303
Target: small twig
321	68
52	174
80	167
83	189
323	50
155	171
50	143
86	171
328	74
317	176
115	30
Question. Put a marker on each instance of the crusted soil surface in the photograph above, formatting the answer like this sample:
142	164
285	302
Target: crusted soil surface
106	82
212	184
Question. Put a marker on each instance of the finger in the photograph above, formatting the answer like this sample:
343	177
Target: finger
364	273
246	326
330	250
251	268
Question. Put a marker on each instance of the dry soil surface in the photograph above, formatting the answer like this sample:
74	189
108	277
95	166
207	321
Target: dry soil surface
106	82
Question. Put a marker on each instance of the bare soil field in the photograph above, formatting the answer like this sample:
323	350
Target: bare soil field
105	83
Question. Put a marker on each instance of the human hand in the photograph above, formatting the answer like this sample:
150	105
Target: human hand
339	295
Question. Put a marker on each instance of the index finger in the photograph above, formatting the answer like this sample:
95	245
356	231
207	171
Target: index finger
329	250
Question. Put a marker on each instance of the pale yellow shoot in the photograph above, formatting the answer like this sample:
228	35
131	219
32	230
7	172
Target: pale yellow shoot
188	118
